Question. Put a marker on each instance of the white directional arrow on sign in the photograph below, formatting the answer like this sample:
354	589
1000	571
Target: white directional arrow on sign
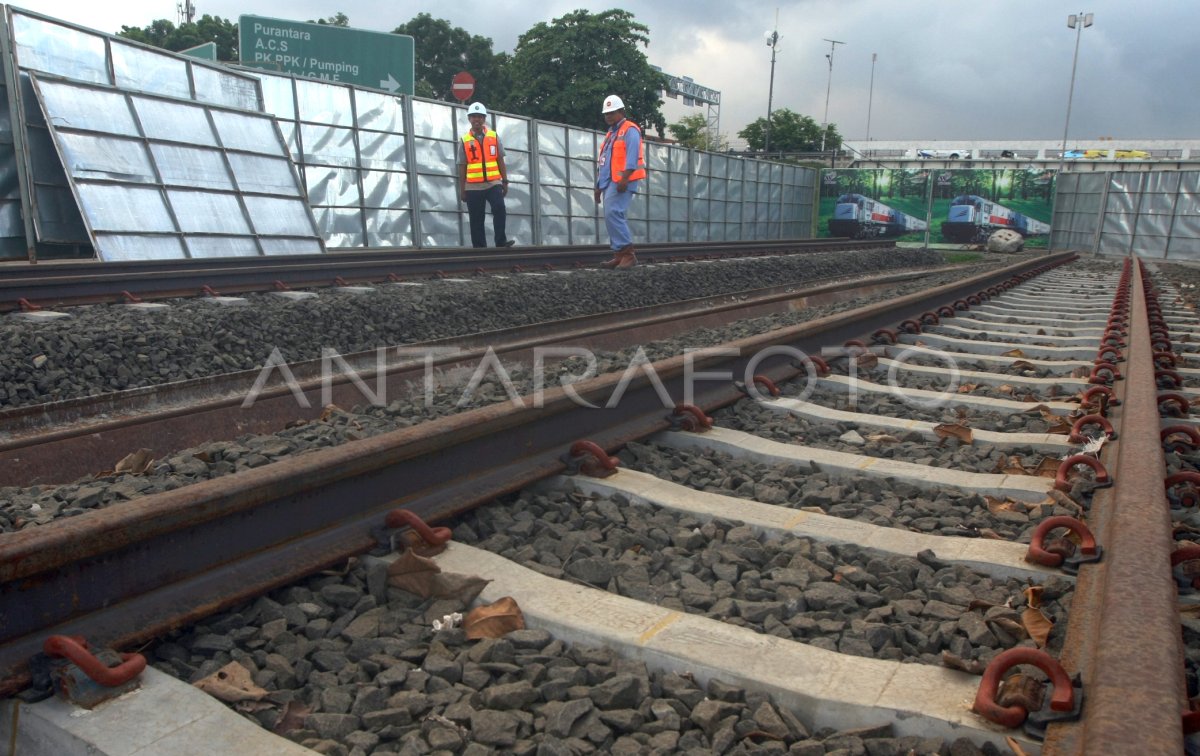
390	83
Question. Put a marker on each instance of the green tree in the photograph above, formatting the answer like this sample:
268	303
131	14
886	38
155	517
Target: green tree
442	50
338	19
563	70
790	132
692	131
162	33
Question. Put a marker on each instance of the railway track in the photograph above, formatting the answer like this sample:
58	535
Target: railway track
63	284
836	593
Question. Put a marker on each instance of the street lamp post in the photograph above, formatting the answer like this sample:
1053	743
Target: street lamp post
870	97
1077	22
772	42
833	43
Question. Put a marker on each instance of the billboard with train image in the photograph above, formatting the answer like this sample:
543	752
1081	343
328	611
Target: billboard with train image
938	206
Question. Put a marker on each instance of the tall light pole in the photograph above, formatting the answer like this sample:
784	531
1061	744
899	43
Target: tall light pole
772	42
870	97
1077	22
833	43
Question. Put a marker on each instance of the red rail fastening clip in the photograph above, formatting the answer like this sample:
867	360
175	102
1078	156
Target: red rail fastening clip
339	281
690	418
1165	359
1176	445
1077	436
1088	550
399	518
961	304
930	318
767	383
1062	700
855	347
588	458
75	648
910	326
1168	379
946	311
822	367
210	291
883	335
27	306
1187	554
1181	403
281	286
130	297
1102	477
1104	373
1188	496
394	278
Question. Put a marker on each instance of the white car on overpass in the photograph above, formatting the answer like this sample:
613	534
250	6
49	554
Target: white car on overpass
942	154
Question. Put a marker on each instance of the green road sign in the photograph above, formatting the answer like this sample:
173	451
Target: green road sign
204	51
332	53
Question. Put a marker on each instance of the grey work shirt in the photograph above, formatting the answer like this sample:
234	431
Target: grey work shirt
460	157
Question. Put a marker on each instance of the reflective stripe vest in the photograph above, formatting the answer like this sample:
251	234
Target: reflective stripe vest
618	153
482	160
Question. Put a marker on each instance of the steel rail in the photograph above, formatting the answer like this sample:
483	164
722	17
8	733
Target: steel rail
125	574
1124	635
74	283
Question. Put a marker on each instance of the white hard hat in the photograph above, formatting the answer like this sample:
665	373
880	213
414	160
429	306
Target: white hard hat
476	108
611	103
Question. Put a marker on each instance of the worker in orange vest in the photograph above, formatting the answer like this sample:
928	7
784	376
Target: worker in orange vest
483	177
620	169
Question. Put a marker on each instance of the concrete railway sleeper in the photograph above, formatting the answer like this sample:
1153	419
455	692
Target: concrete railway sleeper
663	616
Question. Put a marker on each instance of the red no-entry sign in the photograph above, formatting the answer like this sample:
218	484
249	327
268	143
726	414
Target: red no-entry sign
462	86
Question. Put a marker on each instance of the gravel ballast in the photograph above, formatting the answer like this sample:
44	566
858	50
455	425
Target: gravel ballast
358	670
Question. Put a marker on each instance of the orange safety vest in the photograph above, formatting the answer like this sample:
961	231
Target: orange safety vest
618	153
482	162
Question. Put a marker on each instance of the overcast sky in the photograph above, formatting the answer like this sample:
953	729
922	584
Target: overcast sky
945	70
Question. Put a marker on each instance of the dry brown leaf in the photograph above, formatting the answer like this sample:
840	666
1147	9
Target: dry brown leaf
1189	610
1037	625
1012	627
883	438
1013	467
494	620
1004	388
1014	746
967	388
135	463
995	506
1023	365
1047	468
421	576
294	714
979	604
948	430
991	534
329	411
1033	595
231	683
1014	353
970	666
867	361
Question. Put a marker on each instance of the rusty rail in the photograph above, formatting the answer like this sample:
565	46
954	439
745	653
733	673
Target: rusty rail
1124	635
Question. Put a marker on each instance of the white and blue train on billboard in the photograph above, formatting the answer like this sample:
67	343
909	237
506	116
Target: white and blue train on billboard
860	217
972	219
